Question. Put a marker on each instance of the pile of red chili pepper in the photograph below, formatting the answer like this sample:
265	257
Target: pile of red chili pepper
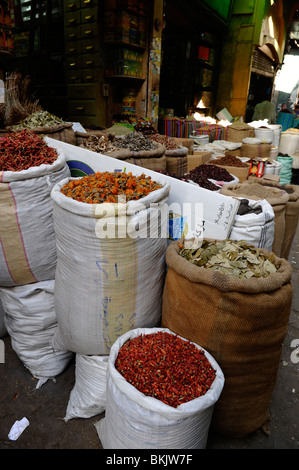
23	150
166	367
107	186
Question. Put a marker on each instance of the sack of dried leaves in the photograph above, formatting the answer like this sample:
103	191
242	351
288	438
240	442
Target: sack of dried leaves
235	301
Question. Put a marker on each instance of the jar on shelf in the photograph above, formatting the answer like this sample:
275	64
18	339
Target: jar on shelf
129	103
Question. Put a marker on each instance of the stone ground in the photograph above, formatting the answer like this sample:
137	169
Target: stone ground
45	407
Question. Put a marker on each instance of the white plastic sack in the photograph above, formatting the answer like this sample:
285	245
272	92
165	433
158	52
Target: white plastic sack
106	285
289	142
28	251
135	421
30	320
88	397
255	229
3	330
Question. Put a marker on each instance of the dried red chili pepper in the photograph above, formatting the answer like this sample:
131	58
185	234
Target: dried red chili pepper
166	367
23	150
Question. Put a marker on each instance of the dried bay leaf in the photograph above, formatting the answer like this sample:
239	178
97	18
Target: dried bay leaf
233	258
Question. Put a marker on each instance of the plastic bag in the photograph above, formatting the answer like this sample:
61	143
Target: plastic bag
135	421
88	397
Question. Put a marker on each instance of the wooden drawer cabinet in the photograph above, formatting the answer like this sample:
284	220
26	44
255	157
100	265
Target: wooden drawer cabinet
88	3
83	61
72	18
82	108
82	92
73	47
89	15
90	45
73	62
70	5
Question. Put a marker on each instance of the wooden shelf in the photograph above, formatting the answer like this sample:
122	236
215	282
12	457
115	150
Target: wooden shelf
129	77
125	44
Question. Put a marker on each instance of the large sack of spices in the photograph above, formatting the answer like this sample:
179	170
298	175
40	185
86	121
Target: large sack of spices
241	322
154	159
238	131
30	319
140	150
110	268
88	396
177	161
94	139
176	154
275	196
28	248
137	420
44	123
291	213
63	132
253	147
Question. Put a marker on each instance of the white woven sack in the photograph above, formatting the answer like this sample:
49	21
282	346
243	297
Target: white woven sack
30	320
3	330
28	251
255	229
289	143
105	286
135	421
88	397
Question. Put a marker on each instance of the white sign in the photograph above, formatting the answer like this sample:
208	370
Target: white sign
193	211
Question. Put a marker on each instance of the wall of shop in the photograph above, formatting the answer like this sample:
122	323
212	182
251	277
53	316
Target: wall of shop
255	26
192	40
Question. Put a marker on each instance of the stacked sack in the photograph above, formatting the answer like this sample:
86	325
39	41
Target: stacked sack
28	250
110	271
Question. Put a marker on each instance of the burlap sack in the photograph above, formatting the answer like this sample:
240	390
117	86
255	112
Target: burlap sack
256	150
63	132
275	196
291	219
177	161
242	323
151	159
185	142
81	137
291	214
238	131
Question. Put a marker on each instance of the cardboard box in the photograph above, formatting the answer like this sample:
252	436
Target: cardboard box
198	158
240	172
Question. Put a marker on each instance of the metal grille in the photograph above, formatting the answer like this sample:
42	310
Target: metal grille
262	64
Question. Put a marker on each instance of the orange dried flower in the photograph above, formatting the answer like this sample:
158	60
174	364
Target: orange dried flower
105	187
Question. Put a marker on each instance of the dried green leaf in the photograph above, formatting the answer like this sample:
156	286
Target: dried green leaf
233	258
